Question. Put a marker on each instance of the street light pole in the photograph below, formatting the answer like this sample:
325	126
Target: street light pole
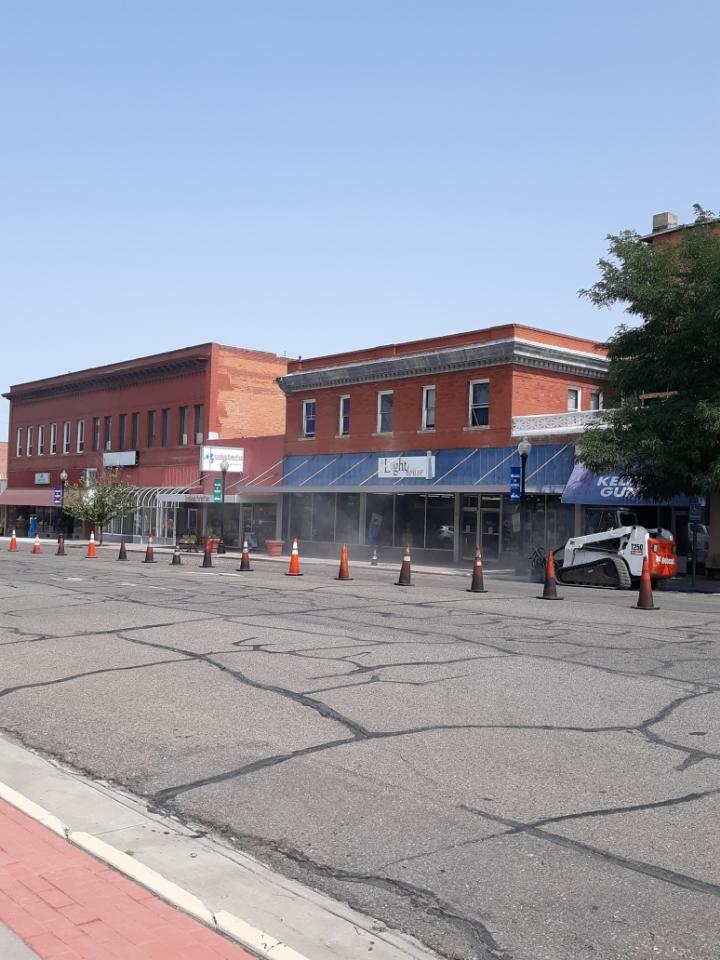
523	448
63	481
224	467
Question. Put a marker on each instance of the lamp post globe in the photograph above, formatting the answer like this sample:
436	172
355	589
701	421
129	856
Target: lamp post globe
224	467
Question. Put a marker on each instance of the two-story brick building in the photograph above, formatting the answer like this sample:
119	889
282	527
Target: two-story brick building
414	442
155	418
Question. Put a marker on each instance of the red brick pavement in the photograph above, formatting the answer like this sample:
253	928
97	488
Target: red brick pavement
66	905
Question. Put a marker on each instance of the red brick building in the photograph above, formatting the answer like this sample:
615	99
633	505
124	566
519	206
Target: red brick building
153	417
446	414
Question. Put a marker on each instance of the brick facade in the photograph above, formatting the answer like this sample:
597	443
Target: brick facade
234	390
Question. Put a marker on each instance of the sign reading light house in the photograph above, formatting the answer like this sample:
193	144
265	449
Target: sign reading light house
395	468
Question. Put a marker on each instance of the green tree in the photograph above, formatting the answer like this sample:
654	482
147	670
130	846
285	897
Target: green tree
102	501
669	443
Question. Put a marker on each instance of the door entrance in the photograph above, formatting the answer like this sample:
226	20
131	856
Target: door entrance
481	526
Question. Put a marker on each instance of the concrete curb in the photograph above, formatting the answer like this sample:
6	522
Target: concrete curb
223	922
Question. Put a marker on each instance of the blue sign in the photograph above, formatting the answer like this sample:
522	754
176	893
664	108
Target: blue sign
514	484
57	496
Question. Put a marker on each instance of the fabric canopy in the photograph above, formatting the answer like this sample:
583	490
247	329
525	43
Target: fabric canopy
27	497
607	490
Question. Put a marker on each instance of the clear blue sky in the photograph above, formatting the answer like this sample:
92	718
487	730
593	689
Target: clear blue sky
306	176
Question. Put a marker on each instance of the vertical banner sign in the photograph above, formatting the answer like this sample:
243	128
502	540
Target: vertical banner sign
57	496
514	484
217	491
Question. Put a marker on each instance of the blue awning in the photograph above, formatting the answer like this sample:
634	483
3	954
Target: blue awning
610	489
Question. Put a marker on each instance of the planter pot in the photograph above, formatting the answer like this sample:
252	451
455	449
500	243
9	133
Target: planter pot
274	547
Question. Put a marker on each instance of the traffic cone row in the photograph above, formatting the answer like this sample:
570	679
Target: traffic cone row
404	580
550	586
477	585
294	568
645	594
245	560
207	555
344	571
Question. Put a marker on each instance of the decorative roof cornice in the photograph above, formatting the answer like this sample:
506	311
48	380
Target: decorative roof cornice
526	353
105	380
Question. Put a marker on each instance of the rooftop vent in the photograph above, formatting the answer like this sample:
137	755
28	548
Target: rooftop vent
664	221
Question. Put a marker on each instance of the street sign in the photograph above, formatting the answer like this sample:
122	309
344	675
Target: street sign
514	484
217	491
695	511
57	496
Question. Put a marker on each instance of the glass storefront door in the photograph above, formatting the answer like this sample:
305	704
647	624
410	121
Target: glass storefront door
480	526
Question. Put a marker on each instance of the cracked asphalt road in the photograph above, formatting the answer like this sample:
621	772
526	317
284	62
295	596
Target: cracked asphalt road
501	777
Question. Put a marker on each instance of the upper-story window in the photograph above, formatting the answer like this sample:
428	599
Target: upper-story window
96	433
53	438
19	442
385	411
479	412
344	417
122	431
41	440
199	422
107	433
66	436
134	431
29	443
428	408
183	426
596	400
308	418
80	437
151	428
574	398
165	428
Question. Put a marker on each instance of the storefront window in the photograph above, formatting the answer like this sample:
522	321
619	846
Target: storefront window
379	513
323	523
410	520
440	533
347	518
301	516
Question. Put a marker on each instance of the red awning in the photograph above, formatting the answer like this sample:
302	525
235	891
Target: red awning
27	497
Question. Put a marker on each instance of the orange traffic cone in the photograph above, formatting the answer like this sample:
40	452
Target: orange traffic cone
404	578
477	584
550	587
149	553
12	546
207	555
60	552
91	547
294	568
122	555
245	559
36	548
645	595
344	571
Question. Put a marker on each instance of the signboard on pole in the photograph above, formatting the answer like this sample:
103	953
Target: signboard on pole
57	496
514	484
217	491
695	511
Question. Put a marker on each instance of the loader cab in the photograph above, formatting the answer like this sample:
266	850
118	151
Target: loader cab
599	520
